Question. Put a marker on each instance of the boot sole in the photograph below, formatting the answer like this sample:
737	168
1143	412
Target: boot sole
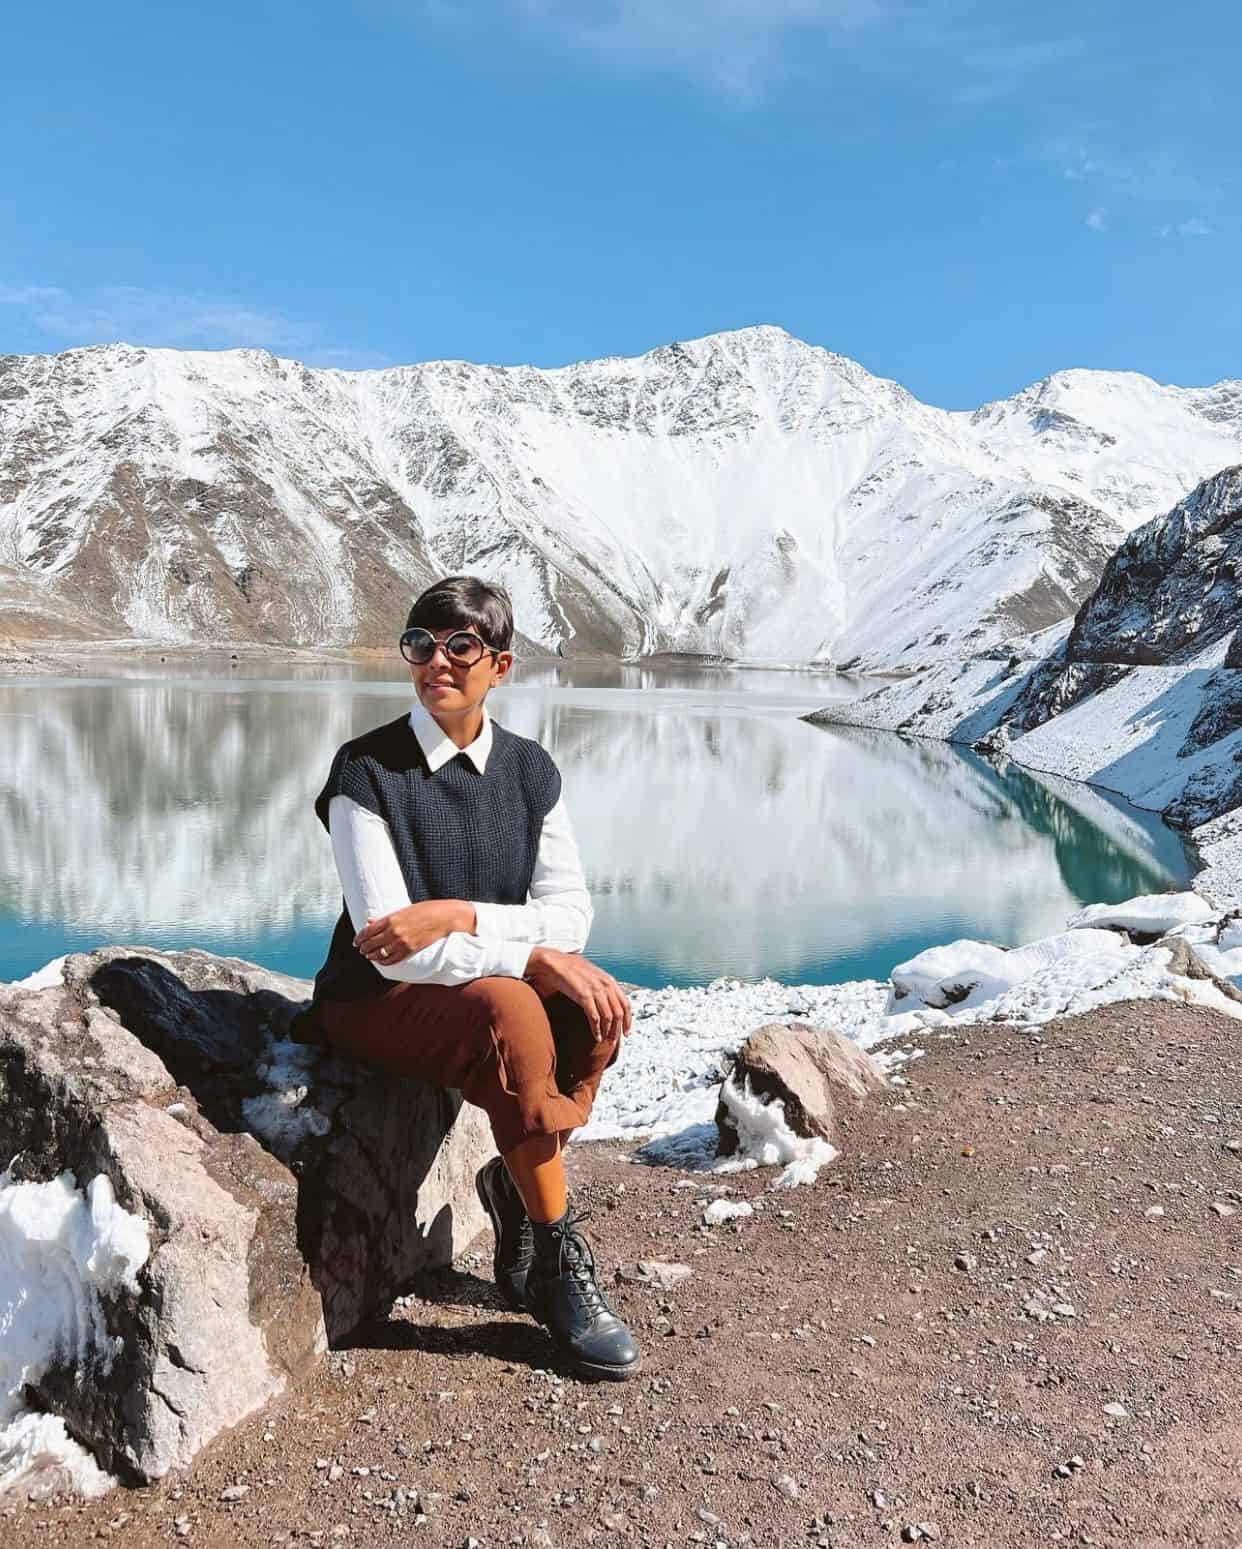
515	1303
600	1372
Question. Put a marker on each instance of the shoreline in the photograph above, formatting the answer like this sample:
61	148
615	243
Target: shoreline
961	705
36	656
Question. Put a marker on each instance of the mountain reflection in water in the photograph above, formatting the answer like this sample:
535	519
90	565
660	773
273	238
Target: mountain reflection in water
720	833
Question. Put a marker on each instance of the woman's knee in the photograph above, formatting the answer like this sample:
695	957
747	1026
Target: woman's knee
509	1001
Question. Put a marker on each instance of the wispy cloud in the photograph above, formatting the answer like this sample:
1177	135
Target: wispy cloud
1158	174
1135	180
139	315
730	44
1194	227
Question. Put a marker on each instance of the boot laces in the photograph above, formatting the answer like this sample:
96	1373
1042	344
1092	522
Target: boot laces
578	1262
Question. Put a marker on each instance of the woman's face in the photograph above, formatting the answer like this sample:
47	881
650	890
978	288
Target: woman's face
448	690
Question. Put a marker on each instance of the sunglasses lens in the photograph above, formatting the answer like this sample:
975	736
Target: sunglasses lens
464	648
418	646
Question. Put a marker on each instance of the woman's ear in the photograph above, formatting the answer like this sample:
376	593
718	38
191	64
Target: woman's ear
502	663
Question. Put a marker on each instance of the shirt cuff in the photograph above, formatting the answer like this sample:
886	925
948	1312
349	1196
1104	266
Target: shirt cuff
511	957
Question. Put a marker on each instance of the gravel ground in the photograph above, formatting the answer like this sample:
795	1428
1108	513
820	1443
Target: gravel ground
1010	1313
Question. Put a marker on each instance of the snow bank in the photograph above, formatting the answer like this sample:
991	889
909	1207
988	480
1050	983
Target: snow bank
1154	914
971	973
60	1253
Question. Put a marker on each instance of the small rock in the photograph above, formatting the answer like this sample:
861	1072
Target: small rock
1223	1210
1118	1411
722	1210
235	1492
1153	1212
966	1261
786	1485
1064	1309
662	1273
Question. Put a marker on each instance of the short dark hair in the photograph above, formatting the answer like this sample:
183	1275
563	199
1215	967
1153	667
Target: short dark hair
464	601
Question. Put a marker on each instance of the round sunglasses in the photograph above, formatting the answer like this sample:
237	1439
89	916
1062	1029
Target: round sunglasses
463	647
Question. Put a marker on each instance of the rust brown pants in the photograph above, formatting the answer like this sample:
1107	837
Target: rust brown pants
531	1064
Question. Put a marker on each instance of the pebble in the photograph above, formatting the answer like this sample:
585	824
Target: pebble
786	1485
1118	1411
235	1492
1223	1210
663	1273
966	1261
1154	1212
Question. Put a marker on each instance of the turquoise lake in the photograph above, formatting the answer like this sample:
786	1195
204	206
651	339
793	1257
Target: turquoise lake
721	834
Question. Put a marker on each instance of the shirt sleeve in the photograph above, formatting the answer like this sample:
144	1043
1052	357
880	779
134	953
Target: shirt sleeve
373	886
558	913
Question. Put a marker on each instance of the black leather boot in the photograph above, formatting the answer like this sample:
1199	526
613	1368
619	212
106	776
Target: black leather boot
514	1244
561	1292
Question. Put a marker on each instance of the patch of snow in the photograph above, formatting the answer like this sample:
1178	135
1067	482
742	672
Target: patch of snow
281	1115
60	1253
47	977
766	1140
964	975
1152	914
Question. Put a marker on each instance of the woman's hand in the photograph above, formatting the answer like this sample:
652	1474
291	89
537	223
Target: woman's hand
598	993
394	937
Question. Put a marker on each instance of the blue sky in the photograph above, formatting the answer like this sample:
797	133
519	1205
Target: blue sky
962	196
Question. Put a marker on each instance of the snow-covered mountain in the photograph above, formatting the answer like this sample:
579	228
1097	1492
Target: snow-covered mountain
1142	695
745	495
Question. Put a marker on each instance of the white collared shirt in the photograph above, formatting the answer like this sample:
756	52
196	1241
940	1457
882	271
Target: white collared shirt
557	914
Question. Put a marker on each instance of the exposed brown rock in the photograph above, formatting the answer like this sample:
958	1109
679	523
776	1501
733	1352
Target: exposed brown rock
819	1075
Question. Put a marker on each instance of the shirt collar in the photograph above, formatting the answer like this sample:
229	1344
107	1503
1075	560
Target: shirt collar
439	749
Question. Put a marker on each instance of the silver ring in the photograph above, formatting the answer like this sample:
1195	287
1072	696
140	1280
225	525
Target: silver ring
383	951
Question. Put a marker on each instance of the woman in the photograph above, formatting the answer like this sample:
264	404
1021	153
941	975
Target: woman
457	958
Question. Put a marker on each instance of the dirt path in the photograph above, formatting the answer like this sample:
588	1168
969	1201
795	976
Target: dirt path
977	1328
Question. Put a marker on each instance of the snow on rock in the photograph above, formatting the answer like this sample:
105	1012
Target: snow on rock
764	1139
683	1041
61	1251
282	1114
43	978
971	973
1154	914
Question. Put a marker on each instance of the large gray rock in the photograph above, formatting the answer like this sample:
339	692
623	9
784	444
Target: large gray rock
819	1075
289	1195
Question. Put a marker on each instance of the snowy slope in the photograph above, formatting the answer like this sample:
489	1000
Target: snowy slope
1143	696
745	494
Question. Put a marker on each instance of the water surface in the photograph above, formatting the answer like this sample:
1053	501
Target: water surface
721	835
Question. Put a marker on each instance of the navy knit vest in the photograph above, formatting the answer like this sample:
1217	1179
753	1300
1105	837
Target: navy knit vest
457	833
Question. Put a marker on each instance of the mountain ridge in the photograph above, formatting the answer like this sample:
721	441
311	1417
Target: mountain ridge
745	495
